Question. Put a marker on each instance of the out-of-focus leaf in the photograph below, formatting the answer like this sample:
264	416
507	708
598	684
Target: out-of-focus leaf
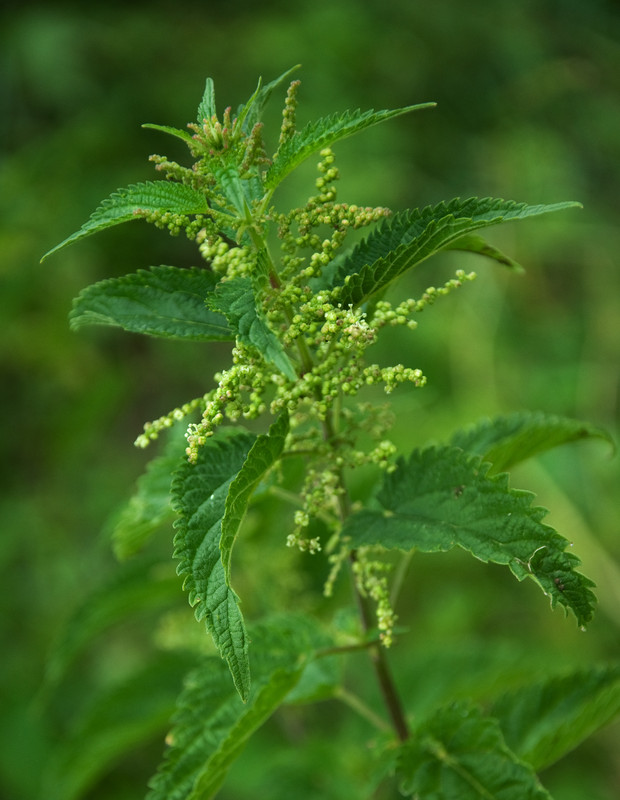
458	754
543	722
212	725
137	587
118	720
508	440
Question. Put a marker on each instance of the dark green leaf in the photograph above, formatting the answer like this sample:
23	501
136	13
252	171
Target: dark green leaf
442	498
139	586
161	301
508	440
199	493
138	201
212	725
284	635
235	299
545	721
407	239
266	701
458	754
150	506
264	453
118	721
323	133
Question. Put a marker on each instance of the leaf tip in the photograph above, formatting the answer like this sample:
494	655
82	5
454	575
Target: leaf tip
49	253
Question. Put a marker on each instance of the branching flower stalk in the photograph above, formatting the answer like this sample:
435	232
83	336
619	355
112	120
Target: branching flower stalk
302	303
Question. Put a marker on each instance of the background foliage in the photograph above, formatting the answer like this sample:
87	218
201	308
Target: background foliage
528	109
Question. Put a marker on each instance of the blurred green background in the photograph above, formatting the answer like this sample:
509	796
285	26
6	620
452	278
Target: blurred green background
528	100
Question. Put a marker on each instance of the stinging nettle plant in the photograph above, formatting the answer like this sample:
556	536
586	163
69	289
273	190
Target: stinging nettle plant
302	301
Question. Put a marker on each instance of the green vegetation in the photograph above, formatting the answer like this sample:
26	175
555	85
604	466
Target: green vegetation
302	306
525	110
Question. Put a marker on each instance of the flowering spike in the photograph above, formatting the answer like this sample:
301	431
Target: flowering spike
289	113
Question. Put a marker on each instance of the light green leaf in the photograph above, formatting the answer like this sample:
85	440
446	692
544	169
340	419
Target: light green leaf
234	190
472	243
185	136
323	133
407	239
320	680
252	112
264	453
207	109
161	301
458	754
508	440
212	725
235	299
442	498
543	722
150	507
138	201
199	493
138	587
119	720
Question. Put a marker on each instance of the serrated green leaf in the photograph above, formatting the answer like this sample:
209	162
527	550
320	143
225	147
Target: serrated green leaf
458	754
283	638
150	507
161	301
199	493
206	108
117	721
266	701
136	202
508	440
323	133
235	299
185	136
212	725
234	190
472	243
139	586
543	722
265	451
404	241
442	498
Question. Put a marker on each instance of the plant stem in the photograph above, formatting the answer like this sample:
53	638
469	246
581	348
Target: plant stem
354	702
379	661
376	651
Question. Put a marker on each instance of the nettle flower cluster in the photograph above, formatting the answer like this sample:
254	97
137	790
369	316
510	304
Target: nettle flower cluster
326	340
